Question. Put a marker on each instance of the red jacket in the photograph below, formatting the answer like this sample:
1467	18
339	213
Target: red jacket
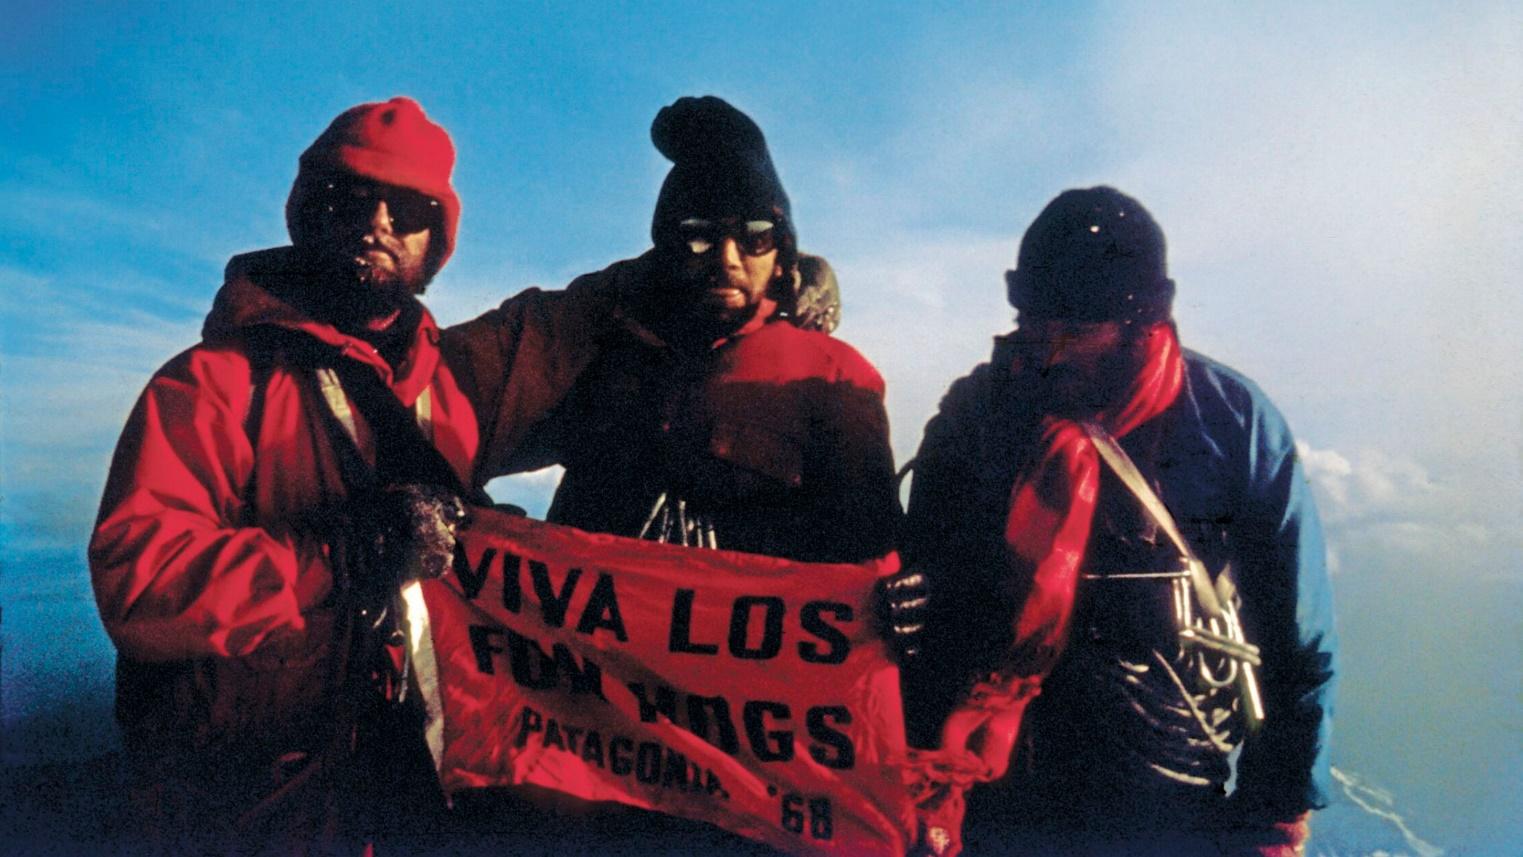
778	435
206	561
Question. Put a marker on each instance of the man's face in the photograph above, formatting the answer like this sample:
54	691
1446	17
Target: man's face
371	240
724	268
1077	369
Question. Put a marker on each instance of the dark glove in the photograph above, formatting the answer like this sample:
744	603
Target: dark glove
903	607
401	533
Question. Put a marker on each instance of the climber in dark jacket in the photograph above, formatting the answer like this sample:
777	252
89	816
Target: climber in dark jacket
1104	691
694	396
708	405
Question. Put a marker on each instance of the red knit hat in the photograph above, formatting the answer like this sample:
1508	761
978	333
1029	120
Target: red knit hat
391	142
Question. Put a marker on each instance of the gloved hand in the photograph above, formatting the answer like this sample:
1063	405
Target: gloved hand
903	608
401	533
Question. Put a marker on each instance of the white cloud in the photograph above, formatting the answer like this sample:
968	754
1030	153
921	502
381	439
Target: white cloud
1378	487
1376	505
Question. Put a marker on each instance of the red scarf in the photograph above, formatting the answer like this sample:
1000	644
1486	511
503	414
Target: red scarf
1052	508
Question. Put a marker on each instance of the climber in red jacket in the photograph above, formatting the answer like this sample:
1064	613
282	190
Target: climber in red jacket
226	558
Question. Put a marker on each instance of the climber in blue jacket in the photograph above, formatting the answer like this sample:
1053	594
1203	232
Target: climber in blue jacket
1127	572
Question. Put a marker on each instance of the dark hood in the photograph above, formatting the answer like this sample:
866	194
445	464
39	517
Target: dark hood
256	300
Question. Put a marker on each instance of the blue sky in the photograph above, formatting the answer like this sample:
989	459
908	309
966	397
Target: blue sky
1339	187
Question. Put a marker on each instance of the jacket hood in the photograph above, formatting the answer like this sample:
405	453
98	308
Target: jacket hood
255	295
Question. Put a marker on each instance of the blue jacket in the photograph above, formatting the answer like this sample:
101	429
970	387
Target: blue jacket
1227	469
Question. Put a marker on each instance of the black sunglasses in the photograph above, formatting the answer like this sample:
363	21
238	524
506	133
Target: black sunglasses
753	237
352	201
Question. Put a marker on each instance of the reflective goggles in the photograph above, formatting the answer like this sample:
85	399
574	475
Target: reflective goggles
753	237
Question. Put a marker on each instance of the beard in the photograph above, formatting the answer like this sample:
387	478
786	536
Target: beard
1072	392
348	292
720	319
679	306
377	291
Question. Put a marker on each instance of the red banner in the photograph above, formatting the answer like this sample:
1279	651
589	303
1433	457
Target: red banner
745	691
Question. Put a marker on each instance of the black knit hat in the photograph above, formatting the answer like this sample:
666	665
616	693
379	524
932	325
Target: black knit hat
1093	255
720	166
